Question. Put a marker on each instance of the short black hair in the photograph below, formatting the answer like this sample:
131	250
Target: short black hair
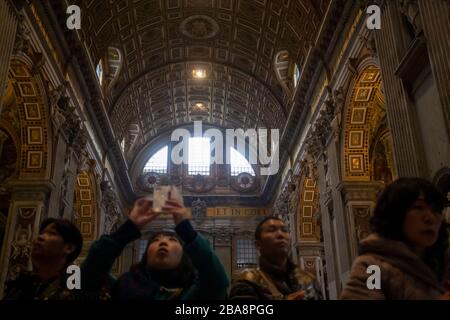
258	230
184	275
69	232
392	206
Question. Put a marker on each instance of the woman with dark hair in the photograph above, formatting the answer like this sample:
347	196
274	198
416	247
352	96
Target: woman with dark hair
177	264
409	245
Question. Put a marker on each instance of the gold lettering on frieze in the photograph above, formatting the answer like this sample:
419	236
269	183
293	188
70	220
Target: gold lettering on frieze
236	212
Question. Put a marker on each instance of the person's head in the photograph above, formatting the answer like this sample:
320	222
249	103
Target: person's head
164	251
164	257
59	241
410	210
272	237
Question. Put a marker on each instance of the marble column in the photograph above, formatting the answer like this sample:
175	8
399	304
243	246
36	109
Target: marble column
333	276
8	27
435	21
311	259
341	240
27	209
392	45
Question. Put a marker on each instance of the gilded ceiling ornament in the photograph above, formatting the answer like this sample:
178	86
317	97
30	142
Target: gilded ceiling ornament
199	27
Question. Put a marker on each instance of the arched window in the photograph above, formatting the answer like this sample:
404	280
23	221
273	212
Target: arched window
239	164
158	162
99	71
199	158
287	72
296	74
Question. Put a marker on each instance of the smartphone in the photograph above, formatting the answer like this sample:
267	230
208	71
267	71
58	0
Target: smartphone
175	194
160	196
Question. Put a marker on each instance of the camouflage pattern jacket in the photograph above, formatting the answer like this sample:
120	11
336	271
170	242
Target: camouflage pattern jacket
270	283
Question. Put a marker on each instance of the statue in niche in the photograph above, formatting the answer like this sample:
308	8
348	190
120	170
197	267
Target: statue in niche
22	41
410	9
381	170
370	44
339	100
56	112
21	245
199	211
293	197
109	203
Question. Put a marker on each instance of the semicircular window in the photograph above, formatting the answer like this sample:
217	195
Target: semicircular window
199	156
239	164
158	161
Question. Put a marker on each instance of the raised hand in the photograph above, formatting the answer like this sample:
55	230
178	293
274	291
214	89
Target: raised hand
142	212
177	210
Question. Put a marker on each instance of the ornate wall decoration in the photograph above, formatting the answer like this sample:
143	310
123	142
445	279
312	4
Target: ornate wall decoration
410	9
238	38
148	181
362	119
308	212
199	27
20	250
237	212
361	215
244	182
110	207
219	179
85	209
34	153
198	209
222	236
198	183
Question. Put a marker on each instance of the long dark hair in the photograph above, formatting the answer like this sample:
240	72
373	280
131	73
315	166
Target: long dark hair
392	206
182	276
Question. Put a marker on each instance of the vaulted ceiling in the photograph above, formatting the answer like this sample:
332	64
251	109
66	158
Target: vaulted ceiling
235	41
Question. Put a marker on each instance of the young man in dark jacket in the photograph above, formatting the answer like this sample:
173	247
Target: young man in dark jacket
277	277
59	243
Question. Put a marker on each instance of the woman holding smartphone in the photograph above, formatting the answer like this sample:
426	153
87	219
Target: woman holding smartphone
177	264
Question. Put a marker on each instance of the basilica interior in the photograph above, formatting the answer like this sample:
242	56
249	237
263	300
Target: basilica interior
351	100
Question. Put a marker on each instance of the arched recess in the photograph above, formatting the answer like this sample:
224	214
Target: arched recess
109	67
287	72
365	124
29	108
26	115
367	155
86	211
309	245
308	211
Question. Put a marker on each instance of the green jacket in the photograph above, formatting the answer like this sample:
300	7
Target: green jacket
212	281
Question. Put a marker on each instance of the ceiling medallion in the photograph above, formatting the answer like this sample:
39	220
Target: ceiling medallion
199	27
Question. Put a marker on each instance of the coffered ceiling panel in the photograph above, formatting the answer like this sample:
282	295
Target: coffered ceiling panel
161	41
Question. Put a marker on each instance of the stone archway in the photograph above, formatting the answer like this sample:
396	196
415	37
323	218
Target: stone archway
367	164
25	112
